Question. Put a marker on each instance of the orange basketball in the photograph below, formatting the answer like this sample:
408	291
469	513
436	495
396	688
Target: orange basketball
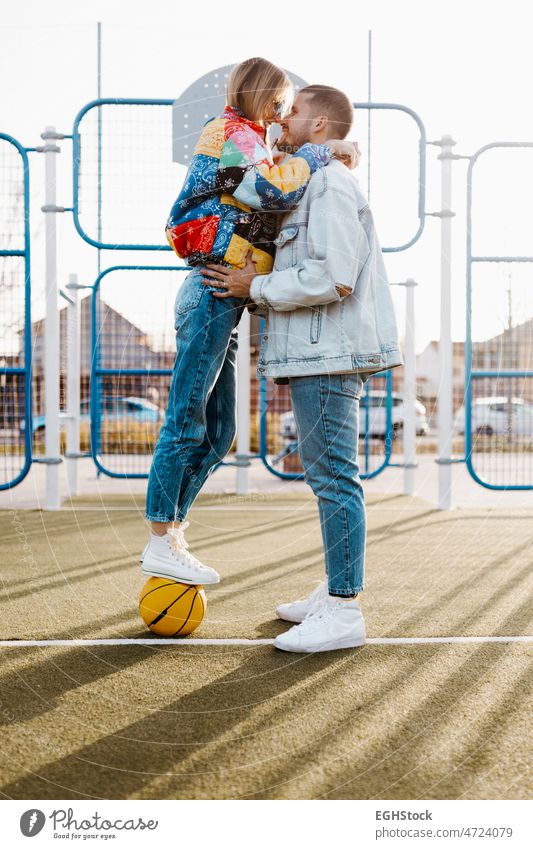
171	609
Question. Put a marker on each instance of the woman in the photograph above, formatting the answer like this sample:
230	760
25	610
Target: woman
226	211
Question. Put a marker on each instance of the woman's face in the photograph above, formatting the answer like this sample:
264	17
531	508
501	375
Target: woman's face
278	108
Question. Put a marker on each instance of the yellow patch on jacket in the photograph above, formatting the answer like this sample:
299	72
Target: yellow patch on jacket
292	175
211	140
229	200
236	255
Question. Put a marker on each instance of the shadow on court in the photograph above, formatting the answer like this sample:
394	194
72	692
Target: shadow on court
135	721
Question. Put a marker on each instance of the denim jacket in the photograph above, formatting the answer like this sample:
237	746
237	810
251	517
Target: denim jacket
329	241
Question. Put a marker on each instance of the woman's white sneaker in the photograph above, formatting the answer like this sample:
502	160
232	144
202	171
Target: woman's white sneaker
337	624
296	611
167	556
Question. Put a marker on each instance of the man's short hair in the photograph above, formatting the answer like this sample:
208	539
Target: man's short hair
333	103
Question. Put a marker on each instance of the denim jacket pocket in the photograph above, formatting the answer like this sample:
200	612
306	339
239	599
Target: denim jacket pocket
286	234
285	243
316	324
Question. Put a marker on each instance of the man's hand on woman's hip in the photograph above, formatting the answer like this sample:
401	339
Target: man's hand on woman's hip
234	282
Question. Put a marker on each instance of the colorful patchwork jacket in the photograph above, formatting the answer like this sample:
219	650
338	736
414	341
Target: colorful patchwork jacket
233	192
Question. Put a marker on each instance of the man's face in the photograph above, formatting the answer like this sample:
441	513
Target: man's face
297	126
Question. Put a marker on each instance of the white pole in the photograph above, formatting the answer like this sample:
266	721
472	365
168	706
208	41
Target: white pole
445	416
409	389
73	384
51	324
243	404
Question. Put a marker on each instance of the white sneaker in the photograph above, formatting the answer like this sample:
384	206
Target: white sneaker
337	624
296	611
167	557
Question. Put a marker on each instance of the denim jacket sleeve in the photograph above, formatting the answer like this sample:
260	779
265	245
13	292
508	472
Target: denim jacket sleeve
244	171
334	250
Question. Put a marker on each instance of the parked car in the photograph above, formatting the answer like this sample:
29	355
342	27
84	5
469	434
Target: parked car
113	408
375	403
497	415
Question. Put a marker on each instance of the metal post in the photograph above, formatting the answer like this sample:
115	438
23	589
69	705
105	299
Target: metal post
51	324
369	134
73	383
243	404
99	112
409	389
445	414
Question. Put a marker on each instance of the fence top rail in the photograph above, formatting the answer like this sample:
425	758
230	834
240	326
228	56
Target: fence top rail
15	142
471	258
112	268
133	101
117	101
139	101
491	146
501	258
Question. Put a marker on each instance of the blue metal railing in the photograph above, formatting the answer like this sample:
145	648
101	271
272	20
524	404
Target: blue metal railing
472	374
25	370
389	432
77	159
97	372
422	144
386	438
77	153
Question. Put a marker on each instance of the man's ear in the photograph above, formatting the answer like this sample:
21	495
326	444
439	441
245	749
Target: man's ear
320	123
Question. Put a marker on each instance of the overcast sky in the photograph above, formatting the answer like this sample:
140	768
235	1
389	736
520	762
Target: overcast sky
464	67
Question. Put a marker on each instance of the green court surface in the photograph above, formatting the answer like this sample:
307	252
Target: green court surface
389	721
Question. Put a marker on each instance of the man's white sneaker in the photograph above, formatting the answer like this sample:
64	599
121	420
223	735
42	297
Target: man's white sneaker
167	557
296	611
337	624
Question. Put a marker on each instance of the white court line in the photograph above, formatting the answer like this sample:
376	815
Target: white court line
238	508
195	641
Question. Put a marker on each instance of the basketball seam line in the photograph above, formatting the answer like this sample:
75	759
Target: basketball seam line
160	587
188	616
165	611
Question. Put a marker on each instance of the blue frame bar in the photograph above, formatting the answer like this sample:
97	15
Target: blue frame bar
76	158
421	223
422	145
389	431
388	438
469	372
27	369
97	371
132	101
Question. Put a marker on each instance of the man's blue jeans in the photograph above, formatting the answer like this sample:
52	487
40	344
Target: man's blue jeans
326	409
200	423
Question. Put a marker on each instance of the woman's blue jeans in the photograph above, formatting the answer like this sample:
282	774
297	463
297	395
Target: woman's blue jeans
326	409
200	425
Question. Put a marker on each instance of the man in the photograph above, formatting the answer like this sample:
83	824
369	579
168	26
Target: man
330	324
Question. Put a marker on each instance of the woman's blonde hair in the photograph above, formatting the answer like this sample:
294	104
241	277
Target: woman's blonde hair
254	85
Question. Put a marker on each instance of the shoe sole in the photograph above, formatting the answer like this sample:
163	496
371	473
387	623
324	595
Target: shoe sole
288	619
339	644
156	574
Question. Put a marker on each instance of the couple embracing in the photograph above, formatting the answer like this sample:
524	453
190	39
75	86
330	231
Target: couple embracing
292	237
